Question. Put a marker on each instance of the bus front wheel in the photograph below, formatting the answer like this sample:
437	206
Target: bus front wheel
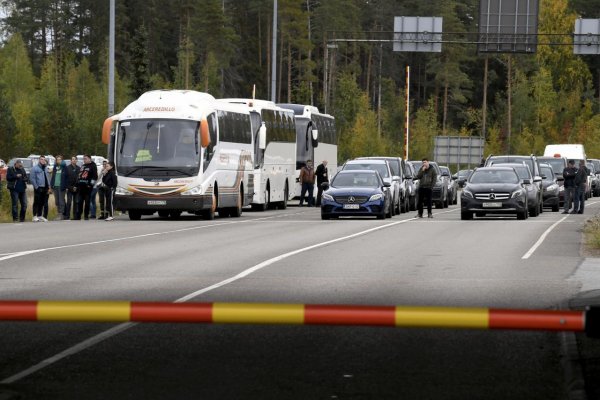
134	215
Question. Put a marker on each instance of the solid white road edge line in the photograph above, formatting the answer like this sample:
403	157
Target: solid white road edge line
125	326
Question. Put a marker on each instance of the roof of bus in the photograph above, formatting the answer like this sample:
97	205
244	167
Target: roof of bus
255	104
302	110
185	104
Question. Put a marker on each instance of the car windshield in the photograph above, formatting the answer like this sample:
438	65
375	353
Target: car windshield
548	173
359	179
557	164
512	159
494	176
464	172
158	147
379	167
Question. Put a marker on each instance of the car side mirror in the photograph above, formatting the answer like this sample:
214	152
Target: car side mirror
537	179
325	185
560	178
455	176
396	179
387	184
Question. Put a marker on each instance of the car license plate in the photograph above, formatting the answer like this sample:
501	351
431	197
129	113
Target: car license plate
492	205
351	206
157	202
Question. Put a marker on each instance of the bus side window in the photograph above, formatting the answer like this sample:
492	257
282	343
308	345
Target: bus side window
212	131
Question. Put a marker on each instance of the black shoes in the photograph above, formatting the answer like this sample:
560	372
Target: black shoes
429	215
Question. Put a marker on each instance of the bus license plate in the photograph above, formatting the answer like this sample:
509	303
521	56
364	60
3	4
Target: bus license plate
351	206
492	205
157	202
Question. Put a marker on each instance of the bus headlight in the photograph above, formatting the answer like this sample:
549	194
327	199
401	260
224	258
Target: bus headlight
121	191
193	191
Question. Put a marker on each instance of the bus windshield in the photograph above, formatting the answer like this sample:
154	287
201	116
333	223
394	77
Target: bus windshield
154	147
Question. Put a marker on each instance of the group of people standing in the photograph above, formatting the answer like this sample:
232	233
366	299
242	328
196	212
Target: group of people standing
74	188
575	187
307	180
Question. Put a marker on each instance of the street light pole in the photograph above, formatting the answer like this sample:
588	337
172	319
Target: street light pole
274	57
111	60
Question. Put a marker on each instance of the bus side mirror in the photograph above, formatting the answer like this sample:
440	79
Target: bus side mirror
262	137
315	137
204	135
106	129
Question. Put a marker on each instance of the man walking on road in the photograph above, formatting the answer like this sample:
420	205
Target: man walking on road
580	188
307	180
428	176
322	177
569	174
40	179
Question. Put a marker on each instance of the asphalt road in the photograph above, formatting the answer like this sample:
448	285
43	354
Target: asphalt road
402	261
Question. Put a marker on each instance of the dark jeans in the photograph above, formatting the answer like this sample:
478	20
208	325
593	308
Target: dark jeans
319	193
310	187
72	203
579	202
569	194
16	198
59	201
425	197
40	202
83	200
107	200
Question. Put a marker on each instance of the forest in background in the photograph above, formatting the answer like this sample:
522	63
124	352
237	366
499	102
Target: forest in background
54	58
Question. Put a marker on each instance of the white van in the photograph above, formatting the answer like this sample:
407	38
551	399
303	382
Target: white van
570	151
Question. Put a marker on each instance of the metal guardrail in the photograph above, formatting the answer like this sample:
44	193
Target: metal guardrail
263	313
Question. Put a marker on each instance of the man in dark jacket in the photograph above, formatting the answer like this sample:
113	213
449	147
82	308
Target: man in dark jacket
16	178
569	193
427	176
322	177
109	184
87	178
580	188
59	181
72	171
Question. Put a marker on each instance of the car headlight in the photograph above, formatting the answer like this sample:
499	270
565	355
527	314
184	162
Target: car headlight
552	187
516	194
193	191
328	197
121	191
561	188
467	193
376	197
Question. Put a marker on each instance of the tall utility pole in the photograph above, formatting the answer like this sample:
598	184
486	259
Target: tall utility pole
111	60
274	55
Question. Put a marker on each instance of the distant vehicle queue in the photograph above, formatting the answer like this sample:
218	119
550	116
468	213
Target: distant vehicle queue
178	151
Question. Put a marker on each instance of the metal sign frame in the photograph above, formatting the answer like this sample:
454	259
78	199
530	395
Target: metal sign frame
458	150
586	38
418	34
508	26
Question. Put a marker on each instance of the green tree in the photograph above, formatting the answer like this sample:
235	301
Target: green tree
140	81
8	127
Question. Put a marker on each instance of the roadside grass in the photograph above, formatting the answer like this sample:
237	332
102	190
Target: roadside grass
591	230
6	206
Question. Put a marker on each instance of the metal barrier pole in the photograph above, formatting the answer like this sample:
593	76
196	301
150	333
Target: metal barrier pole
587	321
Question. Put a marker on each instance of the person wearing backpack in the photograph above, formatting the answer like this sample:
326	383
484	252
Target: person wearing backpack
16	178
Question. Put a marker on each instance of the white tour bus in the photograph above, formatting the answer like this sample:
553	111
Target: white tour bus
275	164
316	140
181	150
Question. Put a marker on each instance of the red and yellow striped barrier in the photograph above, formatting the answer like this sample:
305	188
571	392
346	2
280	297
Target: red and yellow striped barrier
261	313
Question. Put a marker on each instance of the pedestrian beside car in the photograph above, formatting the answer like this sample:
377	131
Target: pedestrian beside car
16	182
40	179
97	190
59	182
72	171
88	175
569	173
580	188
427	176
109	184
307	181
322	177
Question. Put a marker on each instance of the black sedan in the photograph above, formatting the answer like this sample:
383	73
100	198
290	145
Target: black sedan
356	193
494	190
550	186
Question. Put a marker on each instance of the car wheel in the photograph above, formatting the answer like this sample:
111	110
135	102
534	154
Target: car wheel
522	215
393	209
413	203
325	216
466	215
534	212
175	214
134	215
390	212
555	208
163	213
